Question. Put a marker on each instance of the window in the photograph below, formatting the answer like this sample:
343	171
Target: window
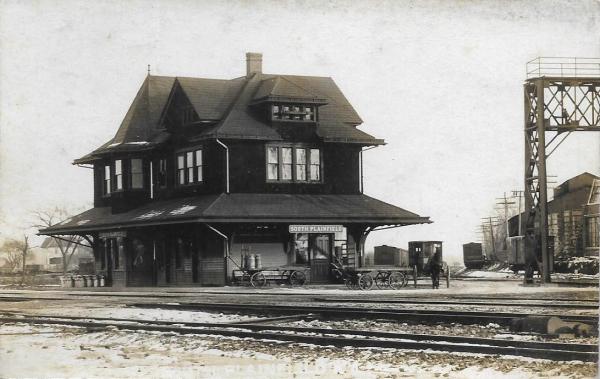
198	165
291	163
595	194
188	115
272	163
180	169
118	174
190	167
315	165
300	164
286	163
294	112
161	177
137	174
592	230
107	186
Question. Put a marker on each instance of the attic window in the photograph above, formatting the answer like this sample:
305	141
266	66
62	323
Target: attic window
293	112
188	115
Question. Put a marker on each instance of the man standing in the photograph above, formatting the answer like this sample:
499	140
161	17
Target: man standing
435	264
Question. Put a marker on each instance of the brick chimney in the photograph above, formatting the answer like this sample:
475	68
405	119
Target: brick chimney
253	63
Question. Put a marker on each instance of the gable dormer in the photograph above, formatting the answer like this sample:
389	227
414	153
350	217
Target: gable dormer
283	100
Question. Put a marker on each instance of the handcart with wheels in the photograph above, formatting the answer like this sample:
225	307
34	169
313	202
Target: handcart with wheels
364	278
260	277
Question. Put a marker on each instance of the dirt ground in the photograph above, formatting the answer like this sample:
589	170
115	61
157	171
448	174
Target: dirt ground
52	351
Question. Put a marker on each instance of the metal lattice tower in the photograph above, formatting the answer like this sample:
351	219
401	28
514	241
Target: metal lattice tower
562	95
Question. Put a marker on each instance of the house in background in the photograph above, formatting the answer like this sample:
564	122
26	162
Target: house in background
203	171
47	257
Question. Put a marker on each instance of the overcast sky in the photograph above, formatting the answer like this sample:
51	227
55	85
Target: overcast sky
441	82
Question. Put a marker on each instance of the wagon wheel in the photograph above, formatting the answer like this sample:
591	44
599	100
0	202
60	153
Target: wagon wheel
365	282
297	278
381	280
396	280
245	279
258	280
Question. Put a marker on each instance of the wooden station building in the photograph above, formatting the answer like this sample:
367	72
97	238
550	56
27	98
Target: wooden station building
202	171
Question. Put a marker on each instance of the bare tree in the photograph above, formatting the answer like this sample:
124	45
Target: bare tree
11	253
16	252
66	244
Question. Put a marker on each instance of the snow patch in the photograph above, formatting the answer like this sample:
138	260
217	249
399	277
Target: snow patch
182	210
150	214
82	222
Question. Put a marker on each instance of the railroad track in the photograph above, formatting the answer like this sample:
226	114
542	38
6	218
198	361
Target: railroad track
331	337
531	304
422	316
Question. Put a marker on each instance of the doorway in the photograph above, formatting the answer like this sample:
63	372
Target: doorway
320	258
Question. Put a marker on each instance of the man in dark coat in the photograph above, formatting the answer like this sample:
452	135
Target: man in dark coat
435	266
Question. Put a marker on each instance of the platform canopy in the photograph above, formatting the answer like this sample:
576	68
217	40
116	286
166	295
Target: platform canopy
243	208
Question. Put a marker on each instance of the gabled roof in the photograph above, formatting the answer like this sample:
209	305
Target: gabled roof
228	103
282	88
210	97
244	207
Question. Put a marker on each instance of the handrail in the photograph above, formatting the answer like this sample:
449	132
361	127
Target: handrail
563	67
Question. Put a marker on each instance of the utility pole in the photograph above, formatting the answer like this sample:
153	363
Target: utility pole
519	194
504	201
491	227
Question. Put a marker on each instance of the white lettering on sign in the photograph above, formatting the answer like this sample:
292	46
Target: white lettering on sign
316	228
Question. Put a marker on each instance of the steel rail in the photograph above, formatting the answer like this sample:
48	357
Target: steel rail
451	302
461	317
343	337
397	294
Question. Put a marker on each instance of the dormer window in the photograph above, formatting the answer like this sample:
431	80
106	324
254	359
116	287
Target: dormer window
293	112
188	115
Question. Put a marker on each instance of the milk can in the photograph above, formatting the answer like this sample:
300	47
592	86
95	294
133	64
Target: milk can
250	264
257	262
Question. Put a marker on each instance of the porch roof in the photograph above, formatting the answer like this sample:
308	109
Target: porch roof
243	207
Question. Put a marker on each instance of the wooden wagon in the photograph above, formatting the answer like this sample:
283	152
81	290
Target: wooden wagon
292	275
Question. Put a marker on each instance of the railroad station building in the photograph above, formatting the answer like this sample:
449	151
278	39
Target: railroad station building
202	171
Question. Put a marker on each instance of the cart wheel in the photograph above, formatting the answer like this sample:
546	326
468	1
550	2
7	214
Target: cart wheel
397	280
365	282
297	278
258	280
405	280
381	280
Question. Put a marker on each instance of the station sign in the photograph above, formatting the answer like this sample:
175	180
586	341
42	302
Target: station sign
316	228
119	234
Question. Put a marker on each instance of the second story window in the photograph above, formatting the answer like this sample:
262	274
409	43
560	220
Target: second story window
137	174
107	188
161	178
315	164
293	163
190	167
118	175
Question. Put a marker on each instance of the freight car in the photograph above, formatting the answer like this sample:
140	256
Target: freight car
473	255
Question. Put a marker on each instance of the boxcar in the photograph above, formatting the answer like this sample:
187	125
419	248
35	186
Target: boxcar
473	255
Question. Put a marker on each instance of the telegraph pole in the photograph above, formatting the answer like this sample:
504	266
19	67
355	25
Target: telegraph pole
504	201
